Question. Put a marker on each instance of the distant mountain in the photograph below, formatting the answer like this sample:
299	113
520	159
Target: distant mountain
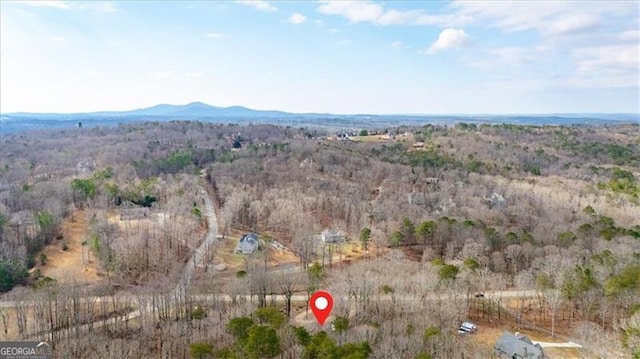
192	110
198	111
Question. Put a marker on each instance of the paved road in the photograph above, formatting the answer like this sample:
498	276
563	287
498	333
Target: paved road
504	294
210	240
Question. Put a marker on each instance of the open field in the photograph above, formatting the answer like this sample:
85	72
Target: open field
225	255
75	263
346	253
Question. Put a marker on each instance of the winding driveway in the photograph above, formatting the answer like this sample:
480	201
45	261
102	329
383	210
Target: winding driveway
209	242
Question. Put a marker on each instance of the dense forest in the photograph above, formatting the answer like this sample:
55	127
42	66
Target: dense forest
515	227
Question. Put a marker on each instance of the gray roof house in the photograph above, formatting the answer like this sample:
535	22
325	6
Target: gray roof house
248	244
495	200
467	328
332	236
516	346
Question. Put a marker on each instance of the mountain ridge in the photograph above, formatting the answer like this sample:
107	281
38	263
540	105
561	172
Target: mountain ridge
198	109
192	110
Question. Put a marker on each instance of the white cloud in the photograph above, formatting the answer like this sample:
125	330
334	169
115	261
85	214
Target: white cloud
96	6
367	11
546	17
550	18
297	19
502	57
319	23
584	42
58	39
444	20
355	11
258	5
214	35
107	7
631	35
46	3
163	74
611	59
195	74
333	30
599	67
449	39
396	44
396	17
100	7
573	24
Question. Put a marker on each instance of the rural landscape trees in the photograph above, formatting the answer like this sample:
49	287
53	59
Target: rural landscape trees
99	224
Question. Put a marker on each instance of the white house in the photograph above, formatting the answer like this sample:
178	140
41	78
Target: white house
331	235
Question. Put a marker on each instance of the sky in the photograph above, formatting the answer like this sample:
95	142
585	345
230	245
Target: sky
393	57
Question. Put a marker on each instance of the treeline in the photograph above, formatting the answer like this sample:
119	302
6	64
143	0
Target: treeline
266	334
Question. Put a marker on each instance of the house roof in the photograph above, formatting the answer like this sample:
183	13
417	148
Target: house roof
248	243
332	235
249	238
467	327
330	232
516	346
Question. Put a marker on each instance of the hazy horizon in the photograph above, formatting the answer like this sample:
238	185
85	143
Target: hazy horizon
331	113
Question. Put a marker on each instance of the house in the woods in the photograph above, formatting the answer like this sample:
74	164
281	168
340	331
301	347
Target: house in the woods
331	235
248	244
516	346
85	167
416	198
467	328
134	213
495	200
431	180
391	135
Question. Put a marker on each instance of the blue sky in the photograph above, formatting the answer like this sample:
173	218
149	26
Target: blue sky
340	57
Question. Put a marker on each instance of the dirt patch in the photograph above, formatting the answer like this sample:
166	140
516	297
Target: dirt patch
11	327
225	254
135	225
67	259
372	138
346	253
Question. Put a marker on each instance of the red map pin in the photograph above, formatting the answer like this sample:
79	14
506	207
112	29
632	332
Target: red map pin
321	304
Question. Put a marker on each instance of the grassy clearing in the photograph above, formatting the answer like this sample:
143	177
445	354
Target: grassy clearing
67	259
225	254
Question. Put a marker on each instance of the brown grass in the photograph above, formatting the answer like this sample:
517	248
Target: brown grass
372	138
12	325
74	263
225	254
348	253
